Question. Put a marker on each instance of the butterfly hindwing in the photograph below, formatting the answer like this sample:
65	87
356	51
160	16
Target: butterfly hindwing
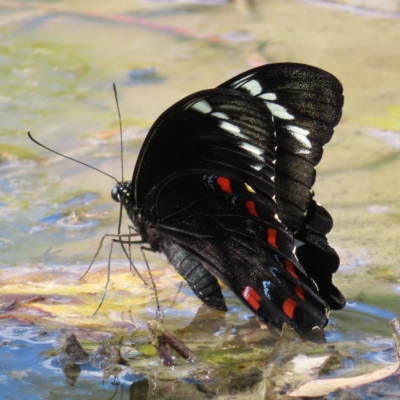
253	269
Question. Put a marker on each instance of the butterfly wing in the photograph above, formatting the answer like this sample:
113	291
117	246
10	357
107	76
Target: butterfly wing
306	103
204	180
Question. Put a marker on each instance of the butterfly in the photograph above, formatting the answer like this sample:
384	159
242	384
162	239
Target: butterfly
223	187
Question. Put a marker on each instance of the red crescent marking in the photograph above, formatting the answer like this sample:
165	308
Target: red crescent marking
251	208
300	292
224	184
252	297
290	268
288	307
272	237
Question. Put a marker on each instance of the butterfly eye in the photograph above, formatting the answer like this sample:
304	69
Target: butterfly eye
115	194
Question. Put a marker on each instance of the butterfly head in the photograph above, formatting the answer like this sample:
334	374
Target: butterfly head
121	192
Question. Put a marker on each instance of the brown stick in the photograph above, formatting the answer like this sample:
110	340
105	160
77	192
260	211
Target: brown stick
160	337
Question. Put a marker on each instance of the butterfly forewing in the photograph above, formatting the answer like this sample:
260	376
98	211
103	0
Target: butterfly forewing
306	103
198	127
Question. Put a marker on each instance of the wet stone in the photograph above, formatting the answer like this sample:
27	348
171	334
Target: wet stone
72	351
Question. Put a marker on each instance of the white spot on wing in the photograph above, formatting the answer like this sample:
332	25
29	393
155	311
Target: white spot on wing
232	129
249	188
267	286
220	115
277	218
202	106
300	134
252	149
253	87
229	127
267	96
257	167
303	151
278	111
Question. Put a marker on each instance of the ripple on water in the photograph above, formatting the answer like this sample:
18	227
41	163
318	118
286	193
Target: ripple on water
392	139
371	8
386	354
370	310
378	209
13	164
349	260
396	289
76	223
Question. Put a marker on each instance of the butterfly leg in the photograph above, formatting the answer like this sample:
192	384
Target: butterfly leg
142	249
204	285
132	266
109	264
108	277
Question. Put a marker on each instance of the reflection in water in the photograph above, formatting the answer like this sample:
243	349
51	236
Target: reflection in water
135	388
236	352
72	372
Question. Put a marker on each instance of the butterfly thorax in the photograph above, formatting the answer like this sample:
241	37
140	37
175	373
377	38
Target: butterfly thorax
146	228
123	193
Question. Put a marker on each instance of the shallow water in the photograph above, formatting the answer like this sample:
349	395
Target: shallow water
57	65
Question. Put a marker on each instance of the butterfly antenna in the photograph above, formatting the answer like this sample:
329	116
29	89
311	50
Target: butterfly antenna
122	180
69	158
120	132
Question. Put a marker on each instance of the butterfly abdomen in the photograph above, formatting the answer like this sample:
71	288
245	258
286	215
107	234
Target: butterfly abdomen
200	280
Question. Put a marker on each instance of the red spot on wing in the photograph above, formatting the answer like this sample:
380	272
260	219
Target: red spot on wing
272	237
289	305
300	292
252	297
251	208
224	184
291	269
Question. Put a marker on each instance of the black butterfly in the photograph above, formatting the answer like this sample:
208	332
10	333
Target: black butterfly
223	187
